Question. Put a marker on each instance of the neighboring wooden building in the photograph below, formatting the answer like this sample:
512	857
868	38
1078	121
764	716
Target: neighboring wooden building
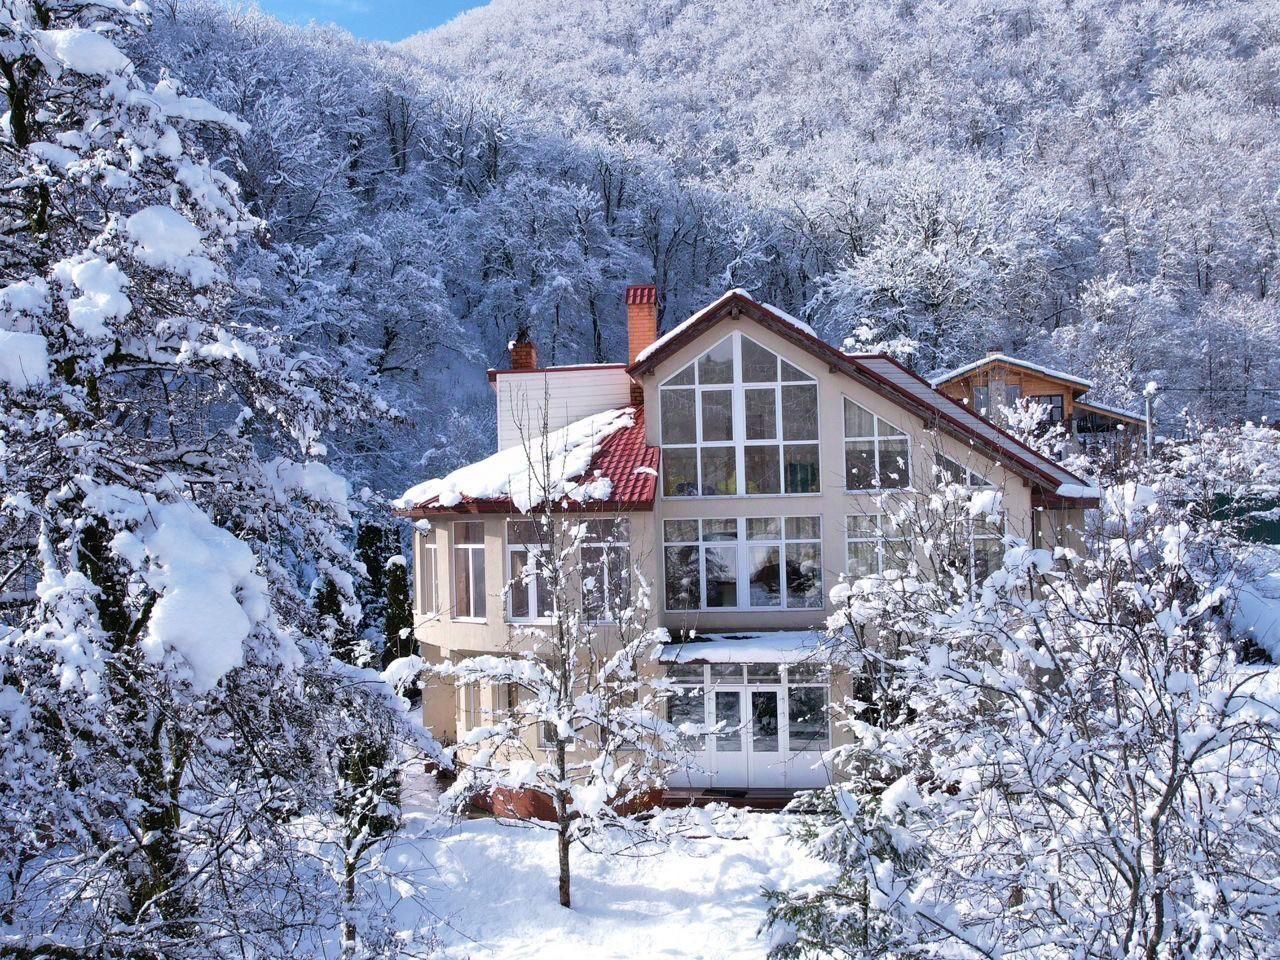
998	380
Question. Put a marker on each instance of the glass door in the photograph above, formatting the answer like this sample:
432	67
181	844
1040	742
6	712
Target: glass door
768	766
730	743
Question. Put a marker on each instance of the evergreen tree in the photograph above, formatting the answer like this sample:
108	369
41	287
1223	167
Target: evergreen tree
398	622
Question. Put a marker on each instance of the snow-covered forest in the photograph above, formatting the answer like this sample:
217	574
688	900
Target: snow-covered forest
1088	184
250	277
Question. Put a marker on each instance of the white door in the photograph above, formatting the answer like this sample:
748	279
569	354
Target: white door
765	734
730	759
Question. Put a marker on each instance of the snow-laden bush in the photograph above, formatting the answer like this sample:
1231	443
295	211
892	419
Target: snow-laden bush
1066	758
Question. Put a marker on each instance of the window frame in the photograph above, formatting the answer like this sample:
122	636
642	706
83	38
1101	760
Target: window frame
742	552
876	538
1056	402
532	587
606	545
972	539
875	440
739	443
469	550
972	478
426	580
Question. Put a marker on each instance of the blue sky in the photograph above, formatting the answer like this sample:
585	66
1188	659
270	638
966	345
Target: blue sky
371	19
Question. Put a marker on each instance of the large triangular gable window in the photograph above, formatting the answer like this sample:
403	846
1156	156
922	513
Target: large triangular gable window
739	420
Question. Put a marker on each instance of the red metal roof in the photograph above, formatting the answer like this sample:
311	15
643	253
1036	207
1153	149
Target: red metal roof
623	457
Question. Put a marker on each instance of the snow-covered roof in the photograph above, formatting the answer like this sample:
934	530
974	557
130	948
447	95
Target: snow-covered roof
1107	408
977	426
778	646
599	459
694	318
1012	361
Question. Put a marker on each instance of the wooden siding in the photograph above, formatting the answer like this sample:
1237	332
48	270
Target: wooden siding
999	375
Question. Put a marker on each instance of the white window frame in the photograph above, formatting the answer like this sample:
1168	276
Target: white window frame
470	714
875	441
530	588
612	604
742	552
426	577
468	549
973	537
972	478
875	537
705	687
737	389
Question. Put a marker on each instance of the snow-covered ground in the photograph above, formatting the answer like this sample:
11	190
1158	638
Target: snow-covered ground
493	888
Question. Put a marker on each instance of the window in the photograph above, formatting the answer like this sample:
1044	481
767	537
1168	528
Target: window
872	546
739	420
468	707
606	568
809	730
1054	402
468	570
426	577
949	471
877	455
982	400
754	563
1012	394
529	593
986	549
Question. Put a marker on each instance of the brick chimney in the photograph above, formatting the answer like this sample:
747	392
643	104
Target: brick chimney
642	328
524	355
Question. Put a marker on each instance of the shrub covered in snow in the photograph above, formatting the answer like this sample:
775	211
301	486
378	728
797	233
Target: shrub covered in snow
1066	759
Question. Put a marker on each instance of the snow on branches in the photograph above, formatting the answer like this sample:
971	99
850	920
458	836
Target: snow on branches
1065	757
171	717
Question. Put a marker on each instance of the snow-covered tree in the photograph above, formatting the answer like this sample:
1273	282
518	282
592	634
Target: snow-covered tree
1068	759
576	738
167	721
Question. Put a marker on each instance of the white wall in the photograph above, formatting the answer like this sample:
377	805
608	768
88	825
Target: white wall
569	395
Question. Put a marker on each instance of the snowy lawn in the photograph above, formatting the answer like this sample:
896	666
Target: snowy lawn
492	884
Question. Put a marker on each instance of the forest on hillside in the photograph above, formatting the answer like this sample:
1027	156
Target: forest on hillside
1088	184
249	278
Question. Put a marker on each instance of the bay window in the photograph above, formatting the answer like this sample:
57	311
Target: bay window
755	563
739	420
468	570
877	455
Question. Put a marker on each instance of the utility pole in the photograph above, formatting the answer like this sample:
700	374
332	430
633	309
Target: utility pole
1148	405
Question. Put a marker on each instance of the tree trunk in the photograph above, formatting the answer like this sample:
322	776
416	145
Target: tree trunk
563	843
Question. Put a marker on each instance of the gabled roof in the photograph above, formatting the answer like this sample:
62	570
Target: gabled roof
890	379
1013	362
599	463
680	334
